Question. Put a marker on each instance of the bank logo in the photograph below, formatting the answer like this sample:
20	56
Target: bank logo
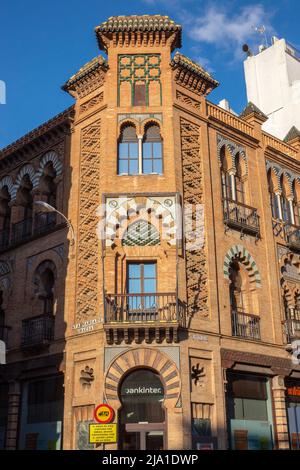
296	352
2	92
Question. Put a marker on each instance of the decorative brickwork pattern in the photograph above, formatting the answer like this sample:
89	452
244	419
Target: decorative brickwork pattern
196	269
187	100
91	103
240	253
87	267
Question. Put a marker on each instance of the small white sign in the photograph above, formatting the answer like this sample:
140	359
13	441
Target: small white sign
87	325
198	337
2	353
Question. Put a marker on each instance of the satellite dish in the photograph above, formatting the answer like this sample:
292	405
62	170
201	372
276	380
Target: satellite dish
246	49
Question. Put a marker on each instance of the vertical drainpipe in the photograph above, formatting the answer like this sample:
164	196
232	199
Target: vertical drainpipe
216	269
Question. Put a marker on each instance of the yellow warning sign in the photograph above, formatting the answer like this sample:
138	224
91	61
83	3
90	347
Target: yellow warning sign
105	433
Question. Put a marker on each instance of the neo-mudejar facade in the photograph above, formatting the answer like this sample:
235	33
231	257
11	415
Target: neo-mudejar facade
173	292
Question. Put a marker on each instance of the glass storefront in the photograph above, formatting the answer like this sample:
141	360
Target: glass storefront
3	413
42	414
293	413
142	416
249	412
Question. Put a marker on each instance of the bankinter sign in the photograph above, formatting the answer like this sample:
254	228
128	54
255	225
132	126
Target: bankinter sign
143	391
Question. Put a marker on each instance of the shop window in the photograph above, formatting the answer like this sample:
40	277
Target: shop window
42	414
142	416
45	400
249	411
142	395
293	412
3	413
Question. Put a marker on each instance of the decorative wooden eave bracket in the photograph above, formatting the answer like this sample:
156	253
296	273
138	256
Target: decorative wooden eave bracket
135	31
192	76
97	67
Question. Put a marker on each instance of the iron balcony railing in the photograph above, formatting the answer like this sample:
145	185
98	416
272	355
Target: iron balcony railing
293	236
245	325
4	238
44	222
291	324
240	216
292	330
144	308
37	331
22	230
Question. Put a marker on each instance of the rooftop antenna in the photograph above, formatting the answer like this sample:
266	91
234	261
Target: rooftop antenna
262	31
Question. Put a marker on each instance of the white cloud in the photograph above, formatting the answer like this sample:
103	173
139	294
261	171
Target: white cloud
225	29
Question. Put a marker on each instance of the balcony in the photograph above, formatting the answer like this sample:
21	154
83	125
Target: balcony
44	222
21	231
37	332
245	325
143	316
241	217
293	237
292	330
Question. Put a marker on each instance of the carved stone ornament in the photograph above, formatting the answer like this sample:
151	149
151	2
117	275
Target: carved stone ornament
87	376
197	374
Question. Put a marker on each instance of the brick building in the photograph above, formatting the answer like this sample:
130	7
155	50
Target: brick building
192	343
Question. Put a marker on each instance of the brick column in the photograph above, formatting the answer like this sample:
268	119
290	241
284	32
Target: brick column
278	389
14	395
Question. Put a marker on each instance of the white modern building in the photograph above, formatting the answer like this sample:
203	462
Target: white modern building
273	85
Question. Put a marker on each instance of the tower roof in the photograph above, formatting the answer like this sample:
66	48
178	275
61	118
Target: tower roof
251	108
135	24
292	134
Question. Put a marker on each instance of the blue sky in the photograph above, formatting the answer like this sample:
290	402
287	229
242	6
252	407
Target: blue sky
44	42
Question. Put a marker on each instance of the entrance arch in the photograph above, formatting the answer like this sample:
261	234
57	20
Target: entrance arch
142	417
137	381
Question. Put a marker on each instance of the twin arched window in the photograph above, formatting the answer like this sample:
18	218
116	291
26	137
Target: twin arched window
284	201
140	154
232	178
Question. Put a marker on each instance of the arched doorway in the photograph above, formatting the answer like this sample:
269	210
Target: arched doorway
142	415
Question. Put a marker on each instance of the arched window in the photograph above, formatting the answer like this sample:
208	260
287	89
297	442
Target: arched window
47	188
128	151
244	323
225	176
44	281
152	150
273	197
296	203
23	229
285	206
141	233
237	293
5	216
239	181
